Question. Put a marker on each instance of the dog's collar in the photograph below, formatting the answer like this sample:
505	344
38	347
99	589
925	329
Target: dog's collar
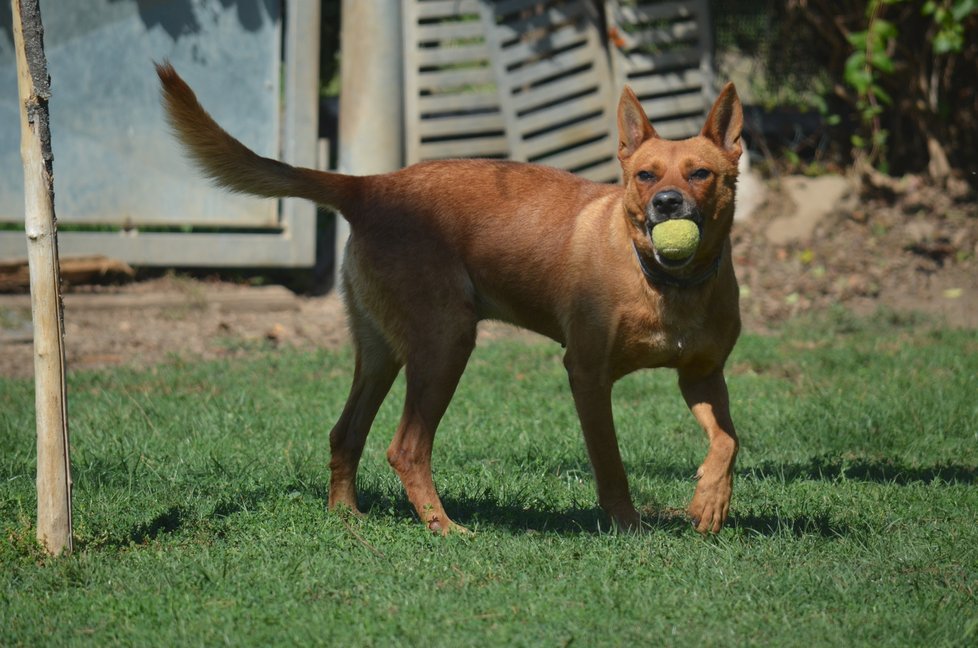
659	277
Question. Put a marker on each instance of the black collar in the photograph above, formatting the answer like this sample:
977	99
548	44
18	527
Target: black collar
659	277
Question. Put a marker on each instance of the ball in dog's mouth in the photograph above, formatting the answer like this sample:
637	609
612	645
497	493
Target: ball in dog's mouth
675	241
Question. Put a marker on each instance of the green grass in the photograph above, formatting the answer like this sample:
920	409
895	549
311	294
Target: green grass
200	489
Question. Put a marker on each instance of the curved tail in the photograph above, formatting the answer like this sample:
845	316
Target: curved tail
234	166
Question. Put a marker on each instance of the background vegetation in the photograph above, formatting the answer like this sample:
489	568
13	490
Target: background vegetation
892	79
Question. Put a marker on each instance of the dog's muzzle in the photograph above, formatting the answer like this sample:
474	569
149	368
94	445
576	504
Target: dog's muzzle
666	205
669	204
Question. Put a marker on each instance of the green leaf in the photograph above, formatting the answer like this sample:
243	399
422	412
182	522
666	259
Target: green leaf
869	112
964	8
860	80
883	62
883	30
881	94
856	74
857	40
856	61
946	42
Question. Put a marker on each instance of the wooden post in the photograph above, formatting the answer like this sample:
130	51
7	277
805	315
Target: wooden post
371	136
53	464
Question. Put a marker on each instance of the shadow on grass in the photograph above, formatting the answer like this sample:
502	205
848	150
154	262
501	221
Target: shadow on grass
804	525
475	511
592	521
480	512
882	471
166	522
485	511
176	518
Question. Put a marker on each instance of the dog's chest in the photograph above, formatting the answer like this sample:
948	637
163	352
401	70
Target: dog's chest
659	345
663	338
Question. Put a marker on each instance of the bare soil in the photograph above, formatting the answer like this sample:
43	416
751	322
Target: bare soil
913	252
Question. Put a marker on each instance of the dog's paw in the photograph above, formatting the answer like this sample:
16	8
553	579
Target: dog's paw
711	503
345	508
444	527
626	518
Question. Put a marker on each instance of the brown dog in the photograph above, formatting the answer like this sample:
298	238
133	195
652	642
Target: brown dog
438	246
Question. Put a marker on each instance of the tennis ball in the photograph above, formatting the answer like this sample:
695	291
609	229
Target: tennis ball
676	239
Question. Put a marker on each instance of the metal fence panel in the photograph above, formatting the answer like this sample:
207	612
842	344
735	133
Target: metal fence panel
117	165
664	51
537	80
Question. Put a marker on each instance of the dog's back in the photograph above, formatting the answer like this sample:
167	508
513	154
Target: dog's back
502	227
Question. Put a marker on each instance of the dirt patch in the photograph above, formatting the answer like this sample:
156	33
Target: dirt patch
148	322
915	252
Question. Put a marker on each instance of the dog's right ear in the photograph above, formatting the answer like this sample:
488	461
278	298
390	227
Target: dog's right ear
725	122
633	125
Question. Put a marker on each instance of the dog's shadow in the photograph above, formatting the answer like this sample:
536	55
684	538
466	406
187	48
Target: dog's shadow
484	511
488	512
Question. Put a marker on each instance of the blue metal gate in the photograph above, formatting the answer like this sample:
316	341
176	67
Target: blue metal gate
123	188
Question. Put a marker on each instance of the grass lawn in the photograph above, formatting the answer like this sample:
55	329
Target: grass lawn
200	519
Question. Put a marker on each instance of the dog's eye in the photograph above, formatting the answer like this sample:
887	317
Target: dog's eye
645	176
699	174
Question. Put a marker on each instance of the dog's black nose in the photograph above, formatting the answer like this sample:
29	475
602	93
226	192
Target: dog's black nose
667	202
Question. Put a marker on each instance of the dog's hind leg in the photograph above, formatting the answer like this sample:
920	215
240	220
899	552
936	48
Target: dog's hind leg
375	370
433	370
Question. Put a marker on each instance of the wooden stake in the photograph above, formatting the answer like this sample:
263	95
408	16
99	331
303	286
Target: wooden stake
53	463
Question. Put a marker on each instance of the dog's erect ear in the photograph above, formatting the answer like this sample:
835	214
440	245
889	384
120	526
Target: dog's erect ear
633	125
725	122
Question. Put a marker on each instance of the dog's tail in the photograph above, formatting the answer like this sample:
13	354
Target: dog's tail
234	166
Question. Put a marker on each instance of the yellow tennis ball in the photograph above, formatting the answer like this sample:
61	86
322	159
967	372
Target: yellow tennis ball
677	239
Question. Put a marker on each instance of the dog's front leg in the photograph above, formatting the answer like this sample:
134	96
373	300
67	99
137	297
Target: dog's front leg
592	397
707	398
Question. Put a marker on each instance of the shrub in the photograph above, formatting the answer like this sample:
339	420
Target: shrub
903	75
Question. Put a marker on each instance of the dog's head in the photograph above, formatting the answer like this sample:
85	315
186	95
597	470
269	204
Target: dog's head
693	179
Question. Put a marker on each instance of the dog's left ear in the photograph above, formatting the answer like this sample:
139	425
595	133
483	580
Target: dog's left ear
633	124
725	122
